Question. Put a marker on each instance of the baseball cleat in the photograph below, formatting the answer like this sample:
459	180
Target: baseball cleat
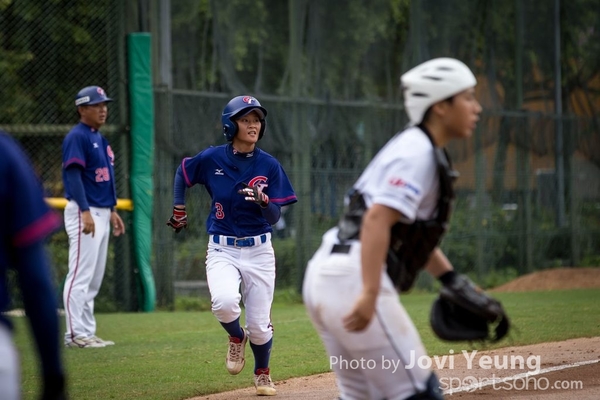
83	342
263	383
102	341
236	352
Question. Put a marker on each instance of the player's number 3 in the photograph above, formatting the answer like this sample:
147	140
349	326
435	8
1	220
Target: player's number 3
219	213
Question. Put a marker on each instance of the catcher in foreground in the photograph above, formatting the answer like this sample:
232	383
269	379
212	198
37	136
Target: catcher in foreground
396	214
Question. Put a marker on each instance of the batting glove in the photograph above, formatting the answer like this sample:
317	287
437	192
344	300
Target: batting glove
255	195
178	220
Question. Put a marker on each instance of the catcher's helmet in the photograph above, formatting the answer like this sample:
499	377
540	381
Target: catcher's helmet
238	107
434	80
91	95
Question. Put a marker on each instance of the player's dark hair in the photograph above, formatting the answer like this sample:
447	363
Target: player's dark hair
428	112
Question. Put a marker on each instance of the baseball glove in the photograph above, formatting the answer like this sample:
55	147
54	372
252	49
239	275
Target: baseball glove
463	312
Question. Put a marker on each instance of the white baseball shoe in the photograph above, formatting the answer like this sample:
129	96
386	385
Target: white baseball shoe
104	342
263	383
83	342
236	353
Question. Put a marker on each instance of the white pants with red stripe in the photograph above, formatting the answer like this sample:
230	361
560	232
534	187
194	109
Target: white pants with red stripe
87	263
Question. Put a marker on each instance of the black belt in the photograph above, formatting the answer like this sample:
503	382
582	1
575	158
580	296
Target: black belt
341	248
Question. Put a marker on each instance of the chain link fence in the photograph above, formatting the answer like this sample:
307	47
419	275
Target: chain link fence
327	71
49	51
529	191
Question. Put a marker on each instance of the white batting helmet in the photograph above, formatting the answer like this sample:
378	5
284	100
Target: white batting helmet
434	80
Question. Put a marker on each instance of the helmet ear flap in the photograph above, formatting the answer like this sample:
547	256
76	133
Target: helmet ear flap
230	128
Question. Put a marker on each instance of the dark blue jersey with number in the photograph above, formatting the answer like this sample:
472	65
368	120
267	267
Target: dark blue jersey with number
223	173
86	148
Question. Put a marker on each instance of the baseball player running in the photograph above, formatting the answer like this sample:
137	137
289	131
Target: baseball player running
248	187
89	181
26	222
350	297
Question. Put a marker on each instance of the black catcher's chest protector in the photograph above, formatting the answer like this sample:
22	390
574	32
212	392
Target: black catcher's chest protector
411	245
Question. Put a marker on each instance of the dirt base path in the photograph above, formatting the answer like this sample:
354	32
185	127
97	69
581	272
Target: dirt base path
554	279
560	370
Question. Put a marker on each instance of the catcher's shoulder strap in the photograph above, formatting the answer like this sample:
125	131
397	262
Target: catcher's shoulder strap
351	220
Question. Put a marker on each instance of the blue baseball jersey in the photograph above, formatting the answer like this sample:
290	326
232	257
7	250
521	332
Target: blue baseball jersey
86	147
223	173
25	215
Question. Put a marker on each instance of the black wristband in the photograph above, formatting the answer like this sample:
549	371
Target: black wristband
447	277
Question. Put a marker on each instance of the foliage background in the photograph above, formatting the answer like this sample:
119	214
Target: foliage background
327	71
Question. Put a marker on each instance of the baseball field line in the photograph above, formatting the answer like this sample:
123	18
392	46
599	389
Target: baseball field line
479	385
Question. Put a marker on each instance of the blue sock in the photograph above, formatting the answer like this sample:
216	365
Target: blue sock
234	329
262	354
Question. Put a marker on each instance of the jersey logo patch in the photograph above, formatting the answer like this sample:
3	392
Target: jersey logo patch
111	155
402	183
95	145
259	182
219	171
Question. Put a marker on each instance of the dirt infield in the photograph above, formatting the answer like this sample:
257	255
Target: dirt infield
548	371
554	279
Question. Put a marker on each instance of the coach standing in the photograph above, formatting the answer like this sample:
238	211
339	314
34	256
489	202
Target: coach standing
89	182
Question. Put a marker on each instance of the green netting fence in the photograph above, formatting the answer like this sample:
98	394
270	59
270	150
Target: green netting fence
327	71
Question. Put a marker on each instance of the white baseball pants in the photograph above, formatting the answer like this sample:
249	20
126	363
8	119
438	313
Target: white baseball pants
87	263
254	268
368	364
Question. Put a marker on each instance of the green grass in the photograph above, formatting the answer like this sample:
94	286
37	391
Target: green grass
179	355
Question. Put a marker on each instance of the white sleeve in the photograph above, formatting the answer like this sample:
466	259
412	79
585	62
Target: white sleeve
403	176
404	183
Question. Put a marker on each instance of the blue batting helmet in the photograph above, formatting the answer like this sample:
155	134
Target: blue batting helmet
91	95
238	107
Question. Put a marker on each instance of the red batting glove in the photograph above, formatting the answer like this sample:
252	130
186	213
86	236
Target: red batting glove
178	220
